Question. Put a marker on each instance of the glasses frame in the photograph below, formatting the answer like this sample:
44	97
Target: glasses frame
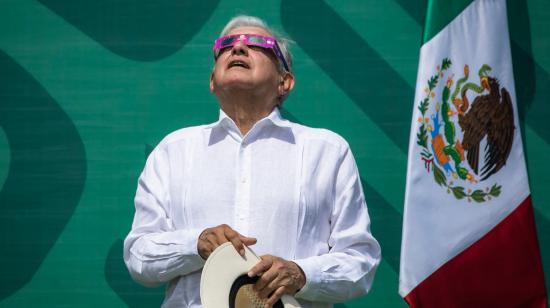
266	42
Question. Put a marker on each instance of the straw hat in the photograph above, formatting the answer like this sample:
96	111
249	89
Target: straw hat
225	283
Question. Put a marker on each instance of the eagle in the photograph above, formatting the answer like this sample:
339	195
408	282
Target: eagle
491	115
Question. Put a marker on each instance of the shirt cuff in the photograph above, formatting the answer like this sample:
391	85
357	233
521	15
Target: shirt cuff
170	244
192	239
312	270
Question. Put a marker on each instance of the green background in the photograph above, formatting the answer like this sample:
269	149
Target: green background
87	88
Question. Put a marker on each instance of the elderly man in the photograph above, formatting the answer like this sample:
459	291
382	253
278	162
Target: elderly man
253	178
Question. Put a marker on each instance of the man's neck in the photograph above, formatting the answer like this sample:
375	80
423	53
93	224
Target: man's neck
245	112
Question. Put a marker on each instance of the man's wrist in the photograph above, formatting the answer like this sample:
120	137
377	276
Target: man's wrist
312	269
303	278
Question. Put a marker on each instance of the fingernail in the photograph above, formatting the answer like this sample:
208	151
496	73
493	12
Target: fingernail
241	252
250	274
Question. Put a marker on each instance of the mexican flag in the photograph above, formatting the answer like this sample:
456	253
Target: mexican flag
469	237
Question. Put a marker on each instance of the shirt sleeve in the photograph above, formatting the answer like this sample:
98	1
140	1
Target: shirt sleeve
154	251
348	269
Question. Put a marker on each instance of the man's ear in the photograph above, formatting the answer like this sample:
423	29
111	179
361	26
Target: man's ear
287	83
212	82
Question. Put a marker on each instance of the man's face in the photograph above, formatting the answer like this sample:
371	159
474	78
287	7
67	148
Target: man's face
247	67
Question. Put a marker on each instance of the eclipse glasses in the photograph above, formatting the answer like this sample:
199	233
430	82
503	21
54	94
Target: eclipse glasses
250	40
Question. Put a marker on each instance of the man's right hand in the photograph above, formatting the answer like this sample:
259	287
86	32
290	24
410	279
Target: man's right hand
211	238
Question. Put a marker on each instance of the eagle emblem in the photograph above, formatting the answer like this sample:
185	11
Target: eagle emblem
465	141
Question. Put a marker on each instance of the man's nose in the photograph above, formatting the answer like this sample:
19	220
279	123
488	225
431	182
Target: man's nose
239	48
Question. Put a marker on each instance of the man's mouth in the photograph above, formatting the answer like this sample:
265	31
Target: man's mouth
238	63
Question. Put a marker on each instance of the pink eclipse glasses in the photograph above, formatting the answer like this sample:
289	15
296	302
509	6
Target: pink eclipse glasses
250	40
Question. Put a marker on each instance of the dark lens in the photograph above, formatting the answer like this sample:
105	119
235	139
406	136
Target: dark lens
256	40
228	41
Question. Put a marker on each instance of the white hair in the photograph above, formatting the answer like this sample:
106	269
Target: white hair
251	21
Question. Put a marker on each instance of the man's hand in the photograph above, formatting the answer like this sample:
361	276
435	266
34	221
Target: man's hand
277	277
211	238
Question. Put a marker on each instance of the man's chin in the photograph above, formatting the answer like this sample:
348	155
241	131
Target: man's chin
239	84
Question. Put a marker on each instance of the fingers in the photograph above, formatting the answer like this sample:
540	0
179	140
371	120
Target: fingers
235	239
207	243
211	238
270	282
275	296
261	267
268	272
238	240
205	248
248	241
277	276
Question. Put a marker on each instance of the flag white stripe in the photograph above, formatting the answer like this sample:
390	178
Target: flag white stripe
437	226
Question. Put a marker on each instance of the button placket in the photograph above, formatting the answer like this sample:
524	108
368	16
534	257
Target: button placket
242	208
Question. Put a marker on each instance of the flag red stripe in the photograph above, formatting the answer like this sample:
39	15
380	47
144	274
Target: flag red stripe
502	269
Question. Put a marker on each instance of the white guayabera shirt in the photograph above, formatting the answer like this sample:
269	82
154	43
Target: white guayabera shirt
294	188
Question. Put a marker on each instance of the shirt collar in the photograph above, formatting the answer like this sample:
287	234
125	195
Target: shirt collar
274	117
227	125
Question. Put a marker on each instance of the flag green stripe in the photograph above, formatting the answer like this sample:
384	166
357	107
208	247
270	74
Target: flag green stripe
439	14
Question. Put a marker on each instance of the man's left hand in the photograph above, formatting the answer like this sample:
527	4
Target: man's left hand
277	277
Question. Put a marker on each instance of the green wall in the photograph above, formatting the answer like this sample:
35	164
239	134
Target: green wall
87	88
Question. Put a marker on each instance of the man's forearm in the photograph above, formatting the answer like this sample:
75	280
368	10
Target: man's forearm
156	258
337	277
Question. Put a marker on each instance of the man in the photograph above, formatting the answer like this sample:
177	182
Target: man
253	178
